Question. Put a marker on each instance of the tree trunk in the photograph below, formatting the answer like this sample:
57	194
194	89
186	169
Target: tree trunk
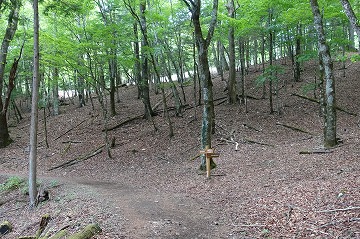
137	65
112	71
9	35
324	52
34	111
232	71
352	17
271	55
297	53
242	69
208	120
55	91
144	82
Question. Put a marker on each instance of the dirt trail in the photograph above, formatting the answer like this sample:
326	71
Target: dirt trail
143	212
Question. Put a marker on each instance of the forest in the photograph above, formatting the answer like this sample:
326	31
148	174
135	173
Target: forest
179	119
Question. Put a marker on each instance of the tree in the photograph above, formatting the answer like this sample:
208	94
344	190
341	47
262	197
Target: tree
202	44
327	66
232	77
34	111
12	24
351	16
145	48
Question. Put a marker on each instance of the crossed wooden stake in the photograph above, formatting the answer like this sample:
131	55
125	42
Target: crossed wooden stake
209	154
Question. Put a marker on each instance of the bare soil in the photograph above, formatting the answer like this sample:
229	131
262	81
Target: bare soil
264	188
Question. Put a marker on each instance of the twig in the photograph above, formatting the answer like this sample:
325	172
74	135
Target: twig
249	225
293	128
231	141
341	209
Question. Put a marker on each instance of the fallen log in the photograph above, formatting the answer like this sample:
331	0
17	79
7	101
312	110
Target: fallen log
294	128
60	234
79	159
89	231
317	101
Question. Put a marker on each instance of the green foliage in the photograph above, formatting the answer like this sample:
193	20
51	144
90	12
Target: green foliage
13	182
270	74
309	87
307	56
355	58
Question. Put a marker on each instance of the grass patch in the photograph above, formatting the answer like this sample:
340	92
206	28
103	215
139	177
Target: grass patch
12	183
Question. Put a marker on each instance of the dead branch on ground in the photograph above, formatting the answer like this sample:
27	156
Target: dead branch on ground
320	151
294	128
79	159
70	129
317	101
256	142
341	209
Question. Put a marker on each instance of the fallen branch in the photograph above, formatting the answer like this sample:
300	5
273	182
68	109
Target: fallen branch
255	142
317	101
294	128
322	151
249	225
124	122
250	127
79	159
341	209
70	129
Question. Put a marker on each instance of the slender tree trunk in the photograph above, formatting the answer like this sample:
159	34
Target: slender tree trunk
297	54
324	52
242	69
232	71
208	121
271	56
34	112
55	91
137	64
9	35
144	82
352	17
112	71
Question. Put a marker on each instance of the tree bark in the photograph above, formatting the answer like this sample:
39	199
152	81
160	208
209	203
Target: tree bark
144	82
202	44
9	35
34	111
351	16
232	71
55	91
326	61
297	53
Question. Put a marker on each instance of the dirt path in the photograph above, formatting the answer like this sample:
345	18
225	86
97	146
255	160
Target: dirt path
143	213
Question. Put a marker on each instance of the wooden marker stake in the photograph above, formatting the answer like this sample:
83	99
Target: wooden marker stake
209	154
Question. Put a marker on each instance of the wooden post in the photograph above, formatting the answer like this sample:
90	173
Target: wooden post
209	154
208	159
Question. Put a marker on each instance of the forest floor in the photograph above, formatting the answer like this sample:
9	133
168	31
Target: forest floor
276	183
